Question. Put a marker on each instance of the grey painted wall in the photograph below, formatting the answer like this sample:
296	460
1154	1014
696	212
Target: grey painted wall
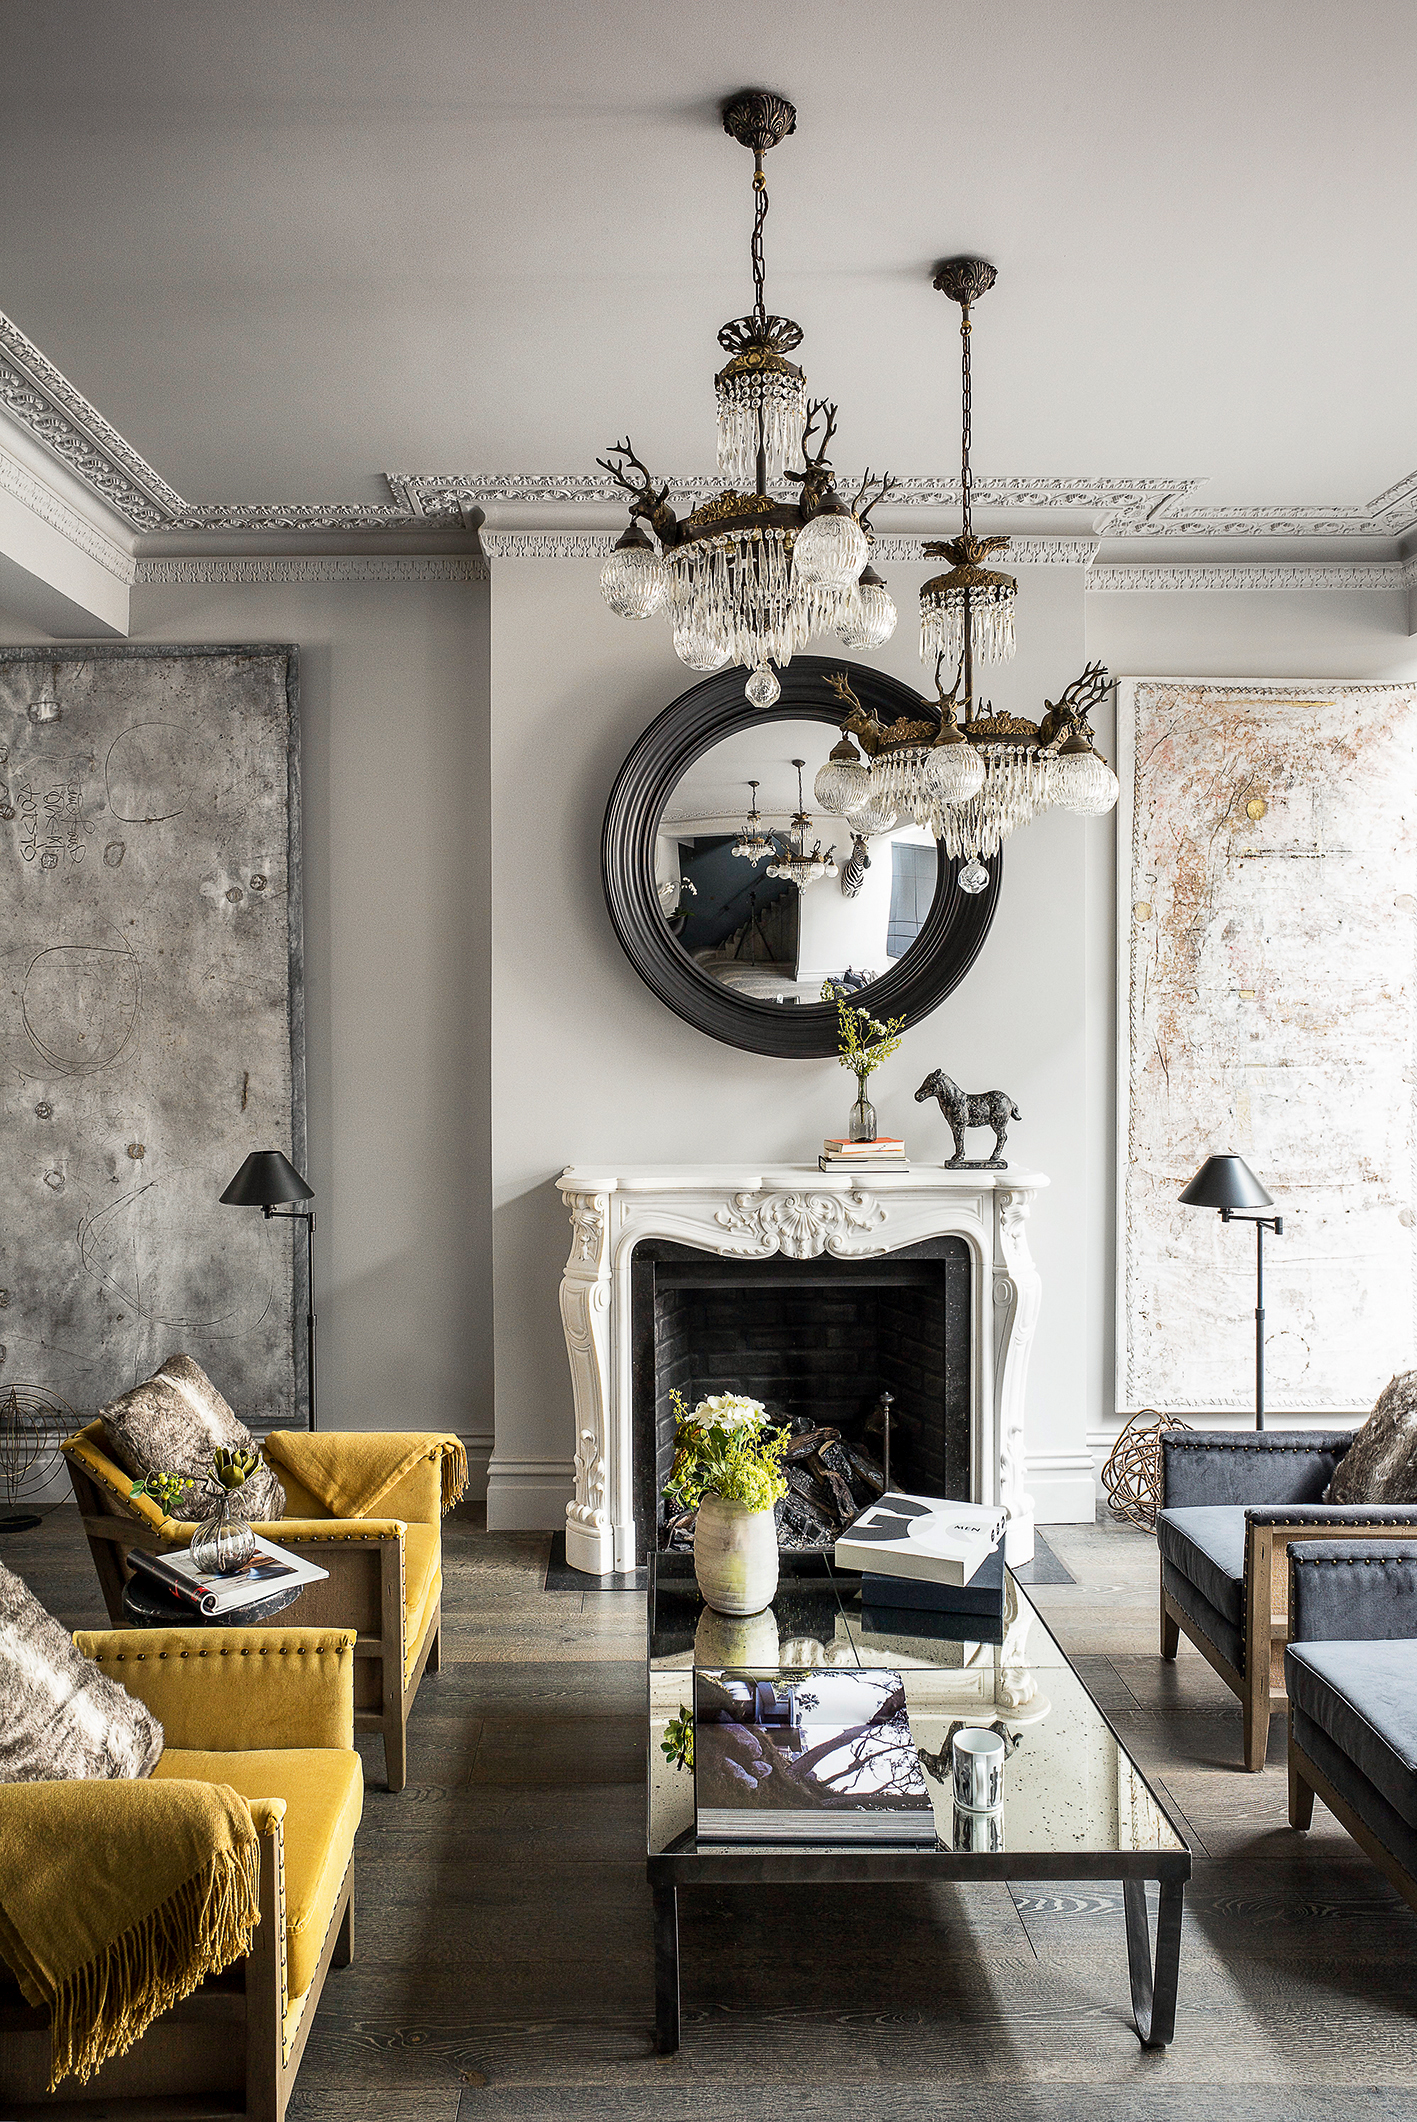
394	706
421	1002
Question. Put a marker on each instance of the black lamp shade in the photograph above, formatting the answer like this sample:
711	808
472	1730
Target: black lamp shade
1226	1182
265	1179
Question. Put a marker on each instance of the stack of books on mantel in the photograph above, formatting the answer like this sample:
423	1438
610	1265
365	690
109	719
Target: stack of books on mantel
885	1153
925	1555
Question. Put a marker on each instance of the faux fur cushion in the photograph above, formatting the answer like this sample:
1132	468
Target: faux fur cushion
60	1717
172	1425
1380	1465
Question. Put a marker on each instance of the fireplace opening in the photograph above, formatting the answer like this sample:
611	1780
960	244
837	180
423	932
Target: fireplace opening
818	1342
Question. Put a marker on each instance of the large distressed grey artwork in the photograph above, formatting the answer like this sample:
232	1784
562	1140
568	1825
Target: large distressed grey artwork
151	1018
1267	843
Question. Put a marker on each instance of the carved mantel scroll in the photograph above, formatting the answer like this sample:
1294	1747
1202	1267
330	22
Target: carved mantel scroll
794	1210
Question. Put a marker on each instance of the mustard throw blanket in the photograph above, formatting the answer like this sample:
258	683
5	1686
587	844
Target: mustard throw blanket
116	1899
351	1470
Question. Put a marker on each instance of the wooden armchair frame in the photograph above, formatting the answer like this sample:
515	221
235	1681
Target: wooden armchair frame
364	1591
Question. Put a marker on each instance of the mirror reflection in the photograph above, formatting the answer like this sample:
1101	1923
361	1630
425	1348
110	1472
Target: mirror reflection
770	894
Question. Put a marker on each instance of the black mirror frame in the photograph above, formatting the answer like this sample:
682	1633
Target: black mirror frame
942	954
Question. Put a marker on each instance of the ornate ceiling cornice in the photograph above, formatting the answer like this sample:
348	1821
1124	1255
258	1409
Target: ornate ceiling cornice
1365	575
38	398
314	567
44	404
42	501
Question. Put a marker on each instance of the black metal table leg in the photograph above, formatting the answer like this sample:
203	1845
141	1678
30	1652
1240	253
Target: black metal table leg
666	1969
1154	1989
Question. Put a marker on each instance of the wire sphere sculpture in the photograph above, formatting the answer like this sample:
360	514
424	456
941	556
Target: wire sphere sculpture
33	1424
1132	1475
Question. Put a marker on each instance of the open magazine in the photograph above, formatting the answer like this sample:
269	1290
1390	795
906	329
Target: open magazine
808	1757
269	1569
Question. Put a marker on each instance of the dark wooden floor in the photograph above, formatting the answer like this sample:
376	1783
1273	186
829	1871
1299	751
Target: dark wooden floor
503	1963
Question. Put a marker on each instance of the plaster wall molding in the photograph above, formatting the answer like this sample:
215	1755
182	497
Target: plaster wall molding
1123	507
547	545
290	515
38	398
1250	575
741	1213
343	567
42	501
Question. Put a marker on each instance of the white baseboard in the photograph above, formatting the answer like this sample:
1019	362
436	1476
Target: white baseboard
1062	1487
528	1495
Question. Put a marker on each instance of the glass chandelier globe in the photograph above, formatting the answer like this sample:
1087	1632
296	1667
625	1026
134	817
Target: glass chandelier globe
870	615
953	771
831	550
1082	781
844	783
632	580
874	816
974	877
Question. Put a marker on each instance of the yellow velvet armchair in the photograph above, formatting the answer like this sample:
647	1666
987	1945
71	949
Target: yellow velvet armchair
385	1573
269	1713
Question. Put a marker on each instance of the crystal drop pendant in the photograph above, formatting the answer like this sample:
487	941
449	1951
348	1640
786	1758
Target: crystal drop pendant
974	877
762	688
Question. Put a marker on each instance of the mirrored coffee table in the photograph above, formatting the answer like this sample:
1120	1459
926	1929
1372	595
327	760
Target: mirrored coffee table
1076	1806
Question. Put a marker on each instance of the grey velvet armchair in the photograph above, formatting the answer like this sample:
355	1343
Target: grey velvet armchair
1232	1507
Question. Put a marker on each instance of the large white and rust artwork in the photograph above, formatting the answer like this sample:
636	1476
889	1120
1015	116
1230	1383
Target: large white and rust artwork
151	1018
1267	904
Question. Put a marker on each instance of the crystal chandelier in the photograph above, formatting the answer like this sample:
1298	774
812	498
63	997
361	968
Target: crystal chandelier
749	579
796	864
753	844
971	781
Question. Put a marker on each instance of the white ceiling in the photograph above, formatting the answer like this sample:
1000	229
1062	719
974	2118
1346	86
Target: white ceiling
287	245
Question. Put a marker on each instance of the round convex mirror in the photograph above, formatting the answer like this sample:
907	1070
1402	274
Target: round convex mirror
737	902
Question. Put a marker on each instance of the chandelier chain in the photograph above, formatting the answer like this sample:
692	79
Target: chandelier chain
760	214
966	476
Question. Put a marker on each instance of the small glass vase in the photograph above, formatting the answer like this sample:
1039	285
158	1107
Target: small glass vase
863	1115
223	1541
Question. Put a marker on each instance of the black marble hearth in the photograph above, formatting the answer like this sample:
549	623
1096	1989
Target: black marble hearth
816	1341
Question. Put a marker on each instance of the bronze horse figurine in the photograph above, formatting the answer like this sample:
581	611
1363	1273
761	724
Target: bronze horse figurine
980	1108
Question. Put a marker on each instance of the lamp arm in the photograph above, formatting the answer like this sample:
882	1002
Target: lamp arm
307	1217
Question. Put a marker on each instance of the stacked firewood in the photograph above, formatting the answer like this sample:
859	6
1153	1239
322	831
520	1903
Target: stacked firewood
830	1480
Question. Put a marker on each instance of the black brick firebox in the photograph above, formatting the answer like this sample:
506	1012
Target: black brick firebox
816	1339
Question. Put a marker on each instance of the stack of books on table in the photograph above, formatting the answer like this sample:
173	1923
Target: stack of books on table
800	1758
270	1569
886	1152
929	1565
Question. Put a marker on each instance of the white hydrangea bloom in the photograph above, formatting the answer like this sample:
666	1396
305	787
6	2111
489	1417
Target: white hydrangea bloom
730	1411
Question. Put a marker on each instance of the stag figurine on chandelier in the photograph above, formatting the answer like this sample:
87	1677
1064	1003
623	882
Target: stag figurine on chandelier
980	1108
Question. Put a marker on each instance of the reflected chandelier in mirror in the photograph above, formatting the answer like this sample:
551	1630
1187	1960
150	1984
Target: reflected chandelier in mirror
728	899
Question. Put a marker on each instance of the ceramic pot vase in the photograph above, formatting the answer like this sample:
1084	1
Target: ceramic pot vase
744	1642
735	1556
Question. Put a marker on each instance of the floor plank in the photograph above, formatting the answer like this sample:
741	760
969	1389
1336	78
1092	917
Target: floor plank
504	1965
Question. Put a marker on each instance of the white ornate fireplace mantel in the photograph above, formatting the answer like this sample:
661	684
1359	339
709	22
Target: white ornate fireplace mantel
740	1212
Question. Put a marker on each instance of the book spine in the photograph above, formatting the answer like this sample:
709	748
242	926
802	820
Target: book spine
160	1571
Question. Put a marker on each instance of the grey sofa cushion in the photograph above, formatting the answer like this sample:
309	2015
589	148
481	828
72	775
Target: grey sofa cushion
171	1424
1205	1619
1372	1808
1380	1466
1207	1545
1352	1590
1203	1466
61	1719
1364	1695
